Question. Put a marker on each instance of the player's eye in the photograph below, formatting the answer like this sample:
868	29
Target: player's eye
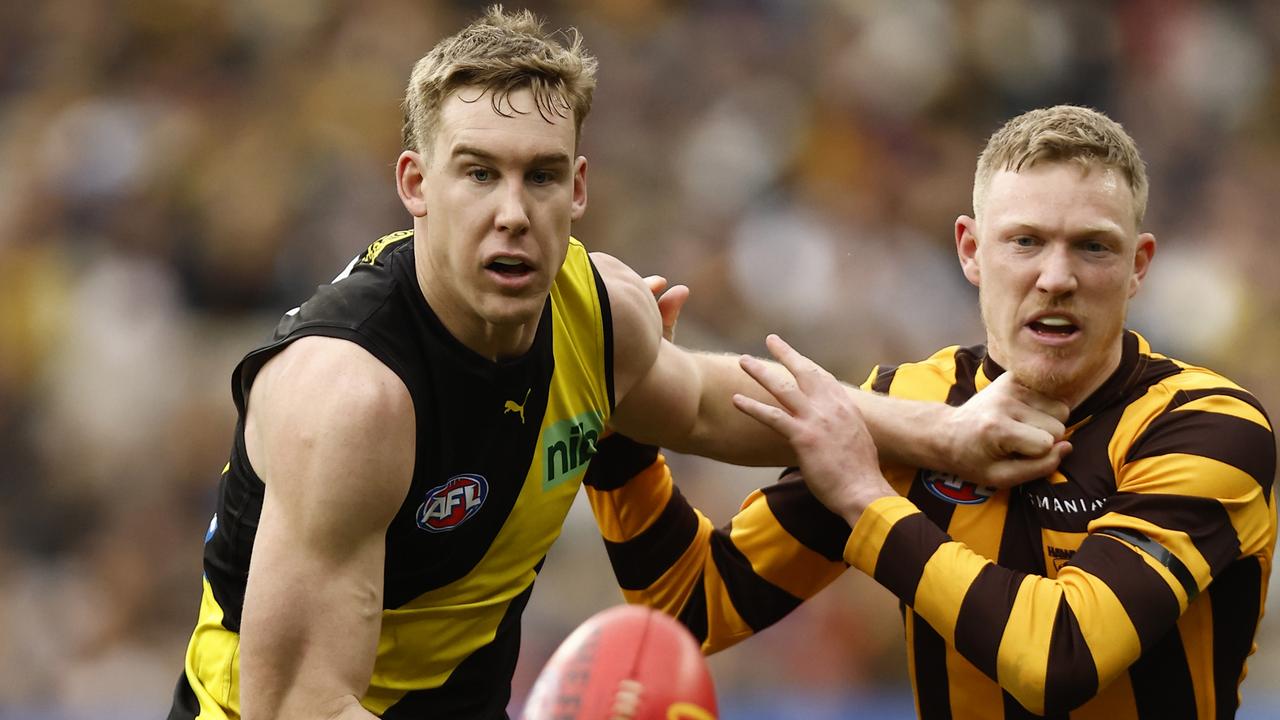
480	174
542	177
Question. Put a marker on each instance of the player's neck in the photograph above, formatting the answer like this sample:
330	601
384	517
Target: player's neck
494	341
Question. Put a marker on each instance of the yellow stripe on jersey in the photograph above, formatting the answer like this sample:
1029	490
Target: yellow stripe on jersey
863	549
725	624
213	662
982	525
1195	628
946	577
376	248
424	640
1115	701
928	380
1237	492
1023	656
670	592
1112	640
624	513
785	562
972	695
1058	547
1225	405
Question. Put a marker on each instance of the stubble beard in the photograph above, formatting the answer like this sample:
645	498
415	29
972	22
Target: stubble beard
1042	372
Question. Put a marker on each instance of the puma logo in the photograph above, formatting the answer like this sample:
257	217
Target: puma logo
510	406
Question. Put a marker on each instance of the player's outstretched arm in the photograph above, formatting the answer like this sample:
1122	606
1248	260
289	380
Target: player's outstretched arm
1193	504
680	399
330	430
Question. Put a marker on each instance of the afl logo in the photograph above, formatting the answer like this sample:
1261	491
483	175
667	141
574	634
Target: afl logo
449	505
954	490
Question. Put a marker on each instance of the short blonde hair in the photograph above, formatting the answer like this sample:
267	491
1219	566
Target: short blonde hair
501	52
1063	133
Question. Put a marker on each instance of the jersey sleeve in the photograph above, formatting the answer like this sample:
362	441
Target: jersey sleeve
725	584
1193	497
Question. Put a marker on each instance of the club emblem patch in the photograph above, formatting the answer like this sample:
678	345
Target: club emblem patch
449	505
954	490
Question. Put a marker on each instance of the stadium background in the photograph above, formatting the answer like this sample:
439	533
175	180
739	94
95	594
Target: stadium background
799	164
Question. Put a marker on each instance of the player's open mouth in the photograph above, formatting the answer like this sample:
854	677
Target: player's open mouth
1053	327
509	266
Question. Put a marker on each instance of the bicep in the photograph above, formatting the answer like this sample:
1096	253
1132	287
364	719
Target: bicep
662	406
654	380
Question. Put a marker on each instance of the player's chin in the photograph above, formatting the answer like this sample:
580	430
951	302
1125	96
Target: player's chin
521	309
1047	375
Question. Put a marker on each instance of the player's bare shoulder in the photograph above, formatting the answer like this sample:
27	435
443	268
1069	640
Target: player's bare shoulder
637	324
326	409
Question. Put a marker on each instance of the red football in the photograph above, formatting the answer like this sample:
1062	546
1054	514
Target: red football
625	663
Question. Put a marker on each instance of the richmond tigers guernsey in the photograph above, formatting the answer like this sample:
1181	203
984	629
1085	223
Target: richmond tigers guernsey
501	450
1129	584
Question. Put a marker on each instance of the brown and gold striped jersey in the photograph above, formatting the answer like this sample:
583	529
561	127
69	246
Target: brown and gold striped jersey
1128	584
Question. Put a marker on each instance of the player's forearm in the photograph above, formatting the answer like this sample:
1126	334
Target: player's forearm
278	687
349	708
907	432
719	430
288	684
307	640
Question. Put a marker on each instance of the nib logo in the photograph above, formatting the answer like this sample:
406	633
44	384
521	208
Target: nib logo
568	446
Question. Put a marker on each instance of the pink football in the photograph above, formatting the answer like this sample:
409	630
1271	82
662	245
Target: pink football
625	663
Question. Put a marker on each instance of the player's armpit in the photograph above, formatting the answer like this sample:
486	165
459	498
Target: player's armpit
330	430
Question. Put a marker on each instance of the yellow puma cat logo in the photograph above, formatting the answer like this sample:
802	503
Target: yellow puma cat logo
510	406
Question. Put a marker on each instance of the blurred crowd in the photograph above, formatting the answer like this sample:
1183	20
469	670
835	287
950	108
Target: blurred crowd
176	174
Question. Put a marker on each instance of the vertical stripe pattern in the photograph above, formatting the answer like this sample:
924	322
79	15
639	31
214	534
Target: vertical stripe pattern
1071	595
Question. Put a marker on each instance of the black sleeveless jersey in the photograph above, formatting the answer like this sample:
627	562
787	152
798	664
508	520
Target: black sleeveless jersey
501	450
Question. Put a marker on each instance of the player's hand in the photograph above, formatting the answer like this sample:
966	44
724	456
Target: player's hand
1006	435
669	303
824	426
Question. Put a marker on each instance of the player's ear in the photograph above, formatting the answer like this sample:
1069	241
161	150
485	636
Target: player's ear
967	248
579	206
1142	261
411	182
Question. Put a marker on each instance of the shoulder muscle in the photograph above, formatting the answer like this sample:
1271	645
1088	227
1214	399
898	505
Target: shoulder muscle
330	430
637	324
